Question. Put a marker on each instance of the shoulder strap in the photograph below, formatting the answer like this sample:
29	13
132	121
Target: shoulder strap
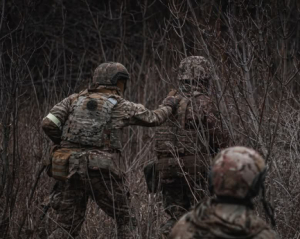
181	111
107	129
83	92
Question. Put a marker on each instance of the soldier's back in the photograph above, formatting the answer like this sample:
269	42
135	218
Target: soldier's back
219	220
195	128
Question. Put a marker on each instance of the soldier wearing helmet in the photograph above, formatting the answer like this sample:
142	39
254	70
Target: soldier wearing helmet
236	177
87	130
186	142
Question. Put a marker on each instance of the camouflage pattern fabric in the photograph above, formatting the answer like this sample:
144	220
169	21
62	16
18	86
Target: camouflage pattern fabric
238	172
71	197
195	129
89	122
184	145
123	114
216	220
187	141
103	160
61	111
194	68
109	73
194	73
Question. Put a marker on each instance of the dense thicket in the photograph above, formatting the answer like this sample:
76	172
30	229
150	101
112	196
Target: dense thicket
49	49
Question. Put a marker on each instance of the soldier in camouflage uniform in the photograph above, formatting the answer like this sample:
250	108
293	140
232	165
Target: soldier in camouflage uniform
186	142
86	128
236	177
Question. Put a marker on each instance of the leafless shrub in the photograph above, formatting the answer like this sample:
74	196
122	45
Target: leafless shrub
50	48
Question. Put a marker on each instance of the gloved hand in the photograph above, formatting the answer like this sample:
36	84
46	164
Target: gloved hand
172	101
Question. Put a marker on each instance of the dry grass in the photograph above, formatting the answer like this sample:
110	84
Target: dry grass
49	49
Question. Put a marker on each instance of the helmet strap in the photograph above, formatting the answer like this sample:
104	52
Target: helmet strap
256	184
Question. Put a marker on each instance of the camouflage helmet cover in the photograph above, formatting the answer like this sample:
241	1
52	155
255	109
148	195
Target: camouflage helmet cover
237	172
195	68
109	73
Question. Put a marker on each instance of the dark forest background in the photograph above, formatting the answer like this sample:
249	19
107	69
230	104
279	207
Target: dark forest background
49	49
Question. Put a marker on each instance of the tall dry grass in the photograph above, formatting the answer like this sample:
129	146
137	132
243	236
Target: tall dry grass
49	50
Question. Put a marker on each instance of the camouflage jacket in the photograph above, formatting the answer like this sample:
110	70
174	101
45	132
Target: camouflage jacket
221	221
195	128
194	134
123	113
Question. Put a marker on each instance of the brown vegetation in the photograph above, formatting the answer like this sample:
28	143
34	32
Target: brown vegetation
49	49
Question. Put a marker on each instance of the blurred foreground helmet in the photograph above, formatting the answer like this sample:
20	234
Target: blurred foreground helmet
237	172
109	74
194	70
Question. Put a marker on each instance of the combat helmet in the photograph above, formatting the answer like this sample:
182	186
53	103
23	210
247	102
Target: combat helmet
109	73
194	70
237	172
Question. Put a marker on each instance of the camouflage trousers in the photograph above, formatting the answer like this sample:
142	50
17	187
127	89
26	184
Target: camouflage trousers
179	191
70	201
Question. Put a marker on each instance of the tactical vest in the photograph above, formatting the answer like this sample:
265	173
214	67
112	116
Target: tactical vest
89	123
175	137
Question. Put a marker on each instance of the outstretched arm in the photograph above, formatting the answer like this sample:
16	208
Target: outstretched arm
137	114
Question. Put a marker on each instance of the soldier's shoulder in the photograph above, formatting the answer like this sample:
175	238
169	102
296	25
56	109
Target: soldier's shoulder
116	97
81	93
129	105
267	234
124	107
184	228
74	96
120	102
265	230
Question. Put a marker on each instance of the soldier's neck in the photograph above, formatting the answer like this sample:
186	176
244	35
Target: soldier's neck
107	90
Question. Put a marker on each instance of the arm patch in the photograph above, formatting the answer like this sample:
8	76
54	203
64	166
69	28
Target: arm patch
54	119
113	101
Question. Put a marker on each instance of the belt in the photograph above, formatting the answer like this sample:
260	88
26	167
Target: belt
67	144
